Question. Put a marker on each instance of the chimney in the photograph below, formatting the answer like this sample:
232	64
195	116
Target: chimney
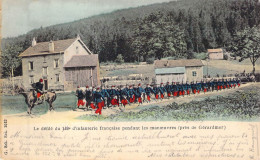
34	42
78	37
51	46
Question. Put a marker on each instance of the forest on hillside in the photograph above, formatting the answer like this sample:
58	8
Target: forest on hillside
178	29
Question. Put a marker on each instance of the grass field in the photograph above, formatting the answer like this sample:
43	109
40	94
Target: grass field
16	104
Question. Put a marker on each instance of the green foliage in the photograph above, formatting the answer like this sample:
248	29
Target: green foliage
150	60
246	44
160	30
9	59
119	59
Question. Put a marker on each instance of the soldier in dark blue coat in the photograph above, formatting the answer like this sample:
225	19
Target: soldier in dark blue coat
168	89
174	89
189	89
88	95
139	92
194	87
114	96
105	93
131	94
199	87
162	90
98	98
80	95
156	92
185	88
204	85
148	90
124	95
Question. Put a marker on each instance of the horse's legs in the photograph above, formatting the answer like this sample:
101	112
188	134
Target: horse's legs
51	107
29	110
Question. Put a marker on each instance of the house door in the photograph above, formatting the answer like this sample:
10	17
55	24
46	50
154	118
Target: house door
46	84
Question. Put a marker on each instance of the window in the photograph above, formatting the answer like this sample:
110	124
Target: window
57	77
45	70
194	73
31	79
44	59
30	66
56	63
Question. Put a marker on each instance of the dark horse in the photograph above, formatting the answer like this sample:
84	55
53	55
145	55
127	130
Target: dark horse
31	98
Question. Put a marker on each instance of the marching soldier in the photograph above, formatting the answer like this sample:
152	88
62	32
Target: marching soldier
131	94
194	87
80	95
156	92
162	90
106	95
114	96
88	95
174	89
148	90
139	92
185	89
204	86
123	96
168	88
198	87
238	82
99	98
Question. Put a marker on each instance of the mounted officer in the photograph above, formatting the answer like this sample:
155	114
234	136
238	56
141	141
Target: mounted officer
39	89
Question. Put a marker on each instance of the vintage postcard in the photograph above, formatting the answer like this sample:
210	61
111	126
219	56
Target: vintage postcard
130	79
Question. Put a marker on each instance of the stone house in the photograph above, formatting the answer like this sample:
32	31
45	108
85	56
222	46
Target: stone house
178	70
216	53
63	65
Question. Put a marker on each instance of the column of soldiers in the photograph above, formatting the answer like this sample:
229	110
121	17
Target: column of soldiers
106	97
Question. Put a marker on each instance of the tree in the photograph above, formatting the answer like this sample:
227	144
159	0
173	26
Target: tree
10	60
246	44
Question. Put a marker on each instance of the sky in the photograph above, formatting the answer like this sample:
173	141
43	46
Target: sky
21	16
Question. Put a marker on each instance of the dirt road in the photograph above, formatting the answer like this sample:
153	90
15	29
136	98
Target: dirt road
71	116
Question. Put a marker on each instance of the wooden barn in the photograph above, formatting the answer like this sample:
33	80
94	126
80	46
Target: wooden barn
178	70
62	64
216	53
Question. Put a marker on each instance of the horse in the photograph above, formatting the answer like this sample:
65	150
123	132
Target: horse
31	98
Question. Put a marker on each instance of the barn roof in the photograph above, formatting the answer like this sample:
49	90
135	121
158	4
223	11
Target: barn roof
178	63
218	50
82	61
42	48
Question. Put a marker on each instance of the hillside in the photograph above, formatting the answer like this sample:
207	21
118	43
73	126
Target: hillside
177	29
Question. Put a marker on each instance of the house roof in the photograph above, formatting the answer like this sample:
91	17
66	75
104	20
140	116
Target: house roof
42	48
82	61
170	70
178	63
218	50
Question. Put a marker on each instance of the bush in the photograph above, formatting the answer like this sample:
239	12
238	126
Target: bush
119	59
150	60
